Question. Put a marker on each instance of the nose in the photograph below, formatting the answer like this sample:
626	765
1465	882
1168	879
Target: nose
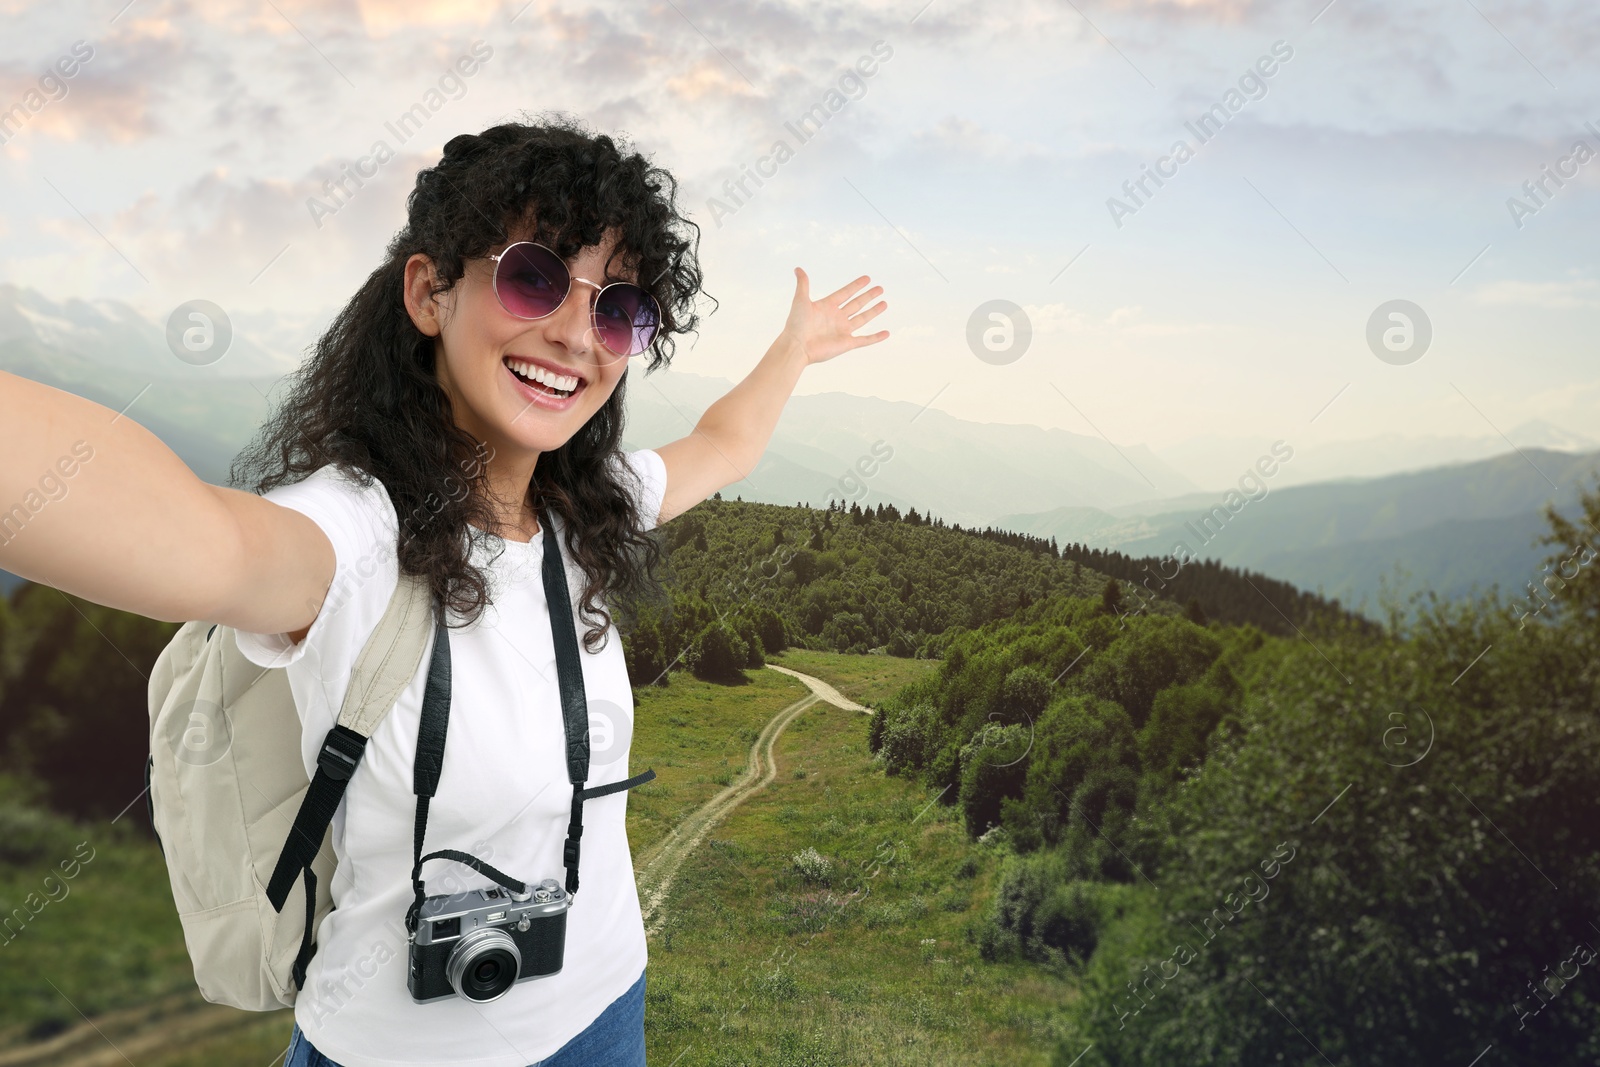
572	326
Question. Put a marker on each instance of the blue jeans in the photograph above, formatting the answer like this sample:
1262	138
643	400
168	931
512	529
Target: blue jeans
615	1039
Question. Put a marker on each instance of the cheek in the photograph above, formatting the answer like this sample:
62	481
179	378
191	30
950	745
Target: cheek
474	336
600	389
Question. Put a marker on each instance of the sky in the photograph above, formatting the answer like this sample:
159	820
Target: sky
1357	154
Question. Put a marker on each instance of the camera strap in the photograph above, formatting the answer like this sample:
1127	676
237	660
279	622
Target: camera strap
435	722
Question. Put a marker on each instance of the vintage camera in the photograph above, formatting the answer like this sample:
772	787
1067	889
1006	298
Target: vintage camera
479	943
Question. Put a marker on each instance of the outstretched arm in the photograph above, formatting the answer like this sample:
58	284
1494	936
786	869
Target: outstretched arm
94	504
731	436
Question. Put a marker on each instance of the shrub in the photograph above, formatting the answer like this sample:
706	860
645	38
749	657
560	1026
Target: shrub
745	627
1024	695
770	631
904	738
1147	657
847	632
1041	913
1075	737
31	835
1433	887
718	654
994	765
812	866
645	652
1181	720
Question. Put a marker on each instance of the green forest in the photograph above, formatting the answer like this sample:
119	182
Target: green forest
1238	824
1352	846
743	577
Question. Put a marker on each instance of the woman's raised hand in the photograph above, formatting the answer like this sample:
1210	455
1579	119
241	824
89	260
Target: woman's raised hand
826	327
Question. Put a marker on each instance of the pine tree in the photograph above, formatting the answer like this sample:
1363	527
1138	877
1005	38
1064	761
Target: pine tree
1111	598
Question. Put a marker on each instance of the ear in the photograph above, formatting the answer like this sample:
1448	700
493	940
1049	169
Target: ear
420	303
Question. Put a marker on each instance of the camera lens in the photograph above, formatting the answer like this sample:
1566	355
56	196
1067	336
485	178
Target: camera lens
483	965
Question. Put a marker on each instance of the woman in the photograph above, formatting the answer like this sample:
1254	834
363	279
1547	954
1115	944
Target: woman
472	386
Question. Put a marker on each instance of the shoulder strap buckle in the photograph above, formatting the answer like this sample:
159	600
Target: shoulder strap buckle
341	751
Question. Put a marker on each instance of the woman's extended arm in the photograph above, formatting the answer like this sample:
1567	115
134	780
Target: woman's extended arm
730	437
94	504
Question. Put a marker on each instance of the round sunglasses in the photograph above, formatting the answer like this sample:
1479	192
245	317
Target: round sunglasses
531	282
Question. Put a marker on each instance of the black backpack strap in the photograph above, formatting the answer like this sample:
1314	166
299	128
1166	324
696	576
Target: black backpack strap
303	958
574	704
341	751
341	754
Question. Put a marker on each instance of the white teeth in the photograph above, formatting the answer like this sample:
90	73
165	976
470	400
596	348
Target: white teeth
534	372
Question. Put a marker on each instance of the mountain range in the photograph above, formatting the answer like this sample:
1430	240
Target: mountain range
1452	529
1452	526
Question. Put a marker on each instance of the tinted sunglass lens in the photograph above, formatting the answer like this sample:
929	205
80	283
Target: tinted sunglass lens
531	281
626	318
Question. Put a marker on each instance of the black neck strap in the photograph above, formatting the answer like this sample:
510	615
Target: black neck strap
435	724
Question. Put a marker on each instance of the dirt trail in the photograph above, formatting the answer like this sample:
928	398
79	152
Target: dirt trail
822	689
185	1019
137	1034
657	866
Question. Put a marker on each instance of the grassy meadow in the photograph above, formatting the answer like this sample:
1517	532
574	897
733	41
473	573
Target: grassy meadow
865	959
868	963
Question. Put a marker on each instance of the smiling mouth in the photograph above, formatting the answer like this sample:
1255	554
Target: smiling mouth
558	386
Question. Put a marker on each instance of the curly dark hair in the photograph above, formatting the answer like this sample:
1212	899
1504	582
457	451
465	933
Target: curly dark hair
368	400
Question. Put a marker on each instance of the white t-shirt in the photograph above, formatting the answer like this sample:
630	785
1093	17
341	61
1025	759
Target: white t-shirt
503	796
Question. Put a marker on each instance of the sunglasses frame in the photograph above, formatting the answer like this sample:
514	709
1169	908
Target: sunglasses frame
594	307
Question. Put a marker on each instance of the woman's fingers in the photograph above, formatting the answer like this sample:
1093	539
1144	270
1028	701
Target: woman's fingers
859	302
861	318
838	296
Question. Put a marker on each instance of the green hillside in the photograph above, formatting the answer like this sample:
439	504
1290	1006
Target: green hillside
1349	846
750	576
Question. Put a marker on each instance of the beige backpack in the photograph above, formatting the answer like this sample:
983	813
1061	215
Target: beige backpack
227	793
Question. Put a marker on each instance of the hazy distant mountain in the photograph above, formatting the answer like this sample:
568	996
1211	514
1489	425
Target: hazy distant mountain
833	445
115	334
1217	462
964	472
1450	529
1452	526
